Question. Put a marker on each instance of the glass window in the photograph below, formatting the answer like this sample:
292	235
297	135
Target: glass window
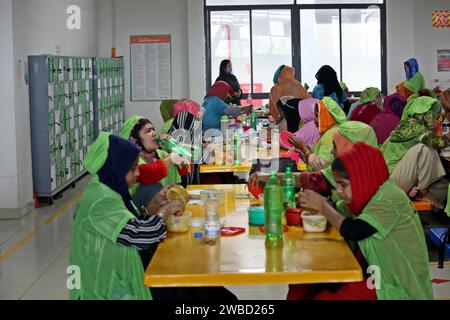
272	45
246	2
319	32
361	48
230	39
337	1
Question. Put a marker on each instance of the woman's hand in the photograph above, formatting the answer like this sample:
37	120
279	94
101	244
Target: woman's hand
312	201
257	177
161	197
317	163
180	161
164	136
246	109
175	207
298	143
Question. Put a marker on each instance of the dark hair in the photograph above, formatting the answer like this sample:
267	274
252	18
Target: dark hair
339	168
223	66
327	77
137	127
424	93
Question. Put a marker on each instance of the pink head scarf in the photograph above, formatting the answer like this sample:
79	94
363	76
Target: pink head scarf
190	106
309	132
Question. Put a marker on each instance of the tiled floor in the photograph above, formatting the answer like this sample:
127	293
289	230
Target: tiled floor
34	255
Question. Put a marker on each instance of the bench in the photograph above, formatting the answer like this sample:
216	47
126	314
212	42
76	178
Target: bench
422	205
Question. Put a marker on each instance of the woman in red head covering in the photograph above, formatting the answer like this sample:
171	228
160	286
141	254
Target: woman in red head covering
378	216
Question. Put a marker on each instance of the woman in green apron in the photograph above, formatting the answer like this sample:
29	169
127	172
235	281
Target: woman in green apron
378	216
107	235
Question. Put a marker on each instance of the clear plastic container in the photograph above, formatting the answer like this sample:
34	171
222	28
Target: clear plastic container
179	223
314	222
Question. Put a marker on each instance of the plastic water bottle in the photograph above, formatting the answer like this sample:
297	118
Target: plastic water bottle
445	126
289	189
236	148
273	209
224	121
218	150
212	220
249	99
253	121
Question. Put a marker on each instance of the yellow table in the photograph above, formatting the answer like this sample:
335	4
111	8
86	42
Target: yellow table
181	260
218	168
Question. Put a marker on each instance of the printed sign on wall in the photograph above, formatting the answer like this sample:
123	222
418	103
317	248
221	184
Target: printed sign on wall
151	70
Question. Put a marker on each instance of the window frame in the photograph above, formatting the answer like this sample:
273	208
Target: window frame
295	36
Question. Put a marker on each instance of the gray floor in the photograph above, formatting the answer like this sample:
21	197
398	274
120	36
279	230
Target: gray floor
34	255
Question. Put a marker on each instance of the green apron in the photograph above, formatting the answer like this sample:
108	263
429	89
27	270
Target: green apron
398	247
394	148
108	271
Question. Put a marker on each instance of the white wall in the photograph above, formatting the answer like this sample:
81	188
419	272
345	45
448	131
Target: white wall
141	17
429	39
197	43
106	27
400	39
38	27
8	151
410	34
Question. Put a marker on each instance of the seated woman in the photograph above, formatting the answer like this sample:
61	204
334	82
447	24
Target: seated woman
289	107
216	106
285	85
322	181
308	131
329	86
187	128
378	216
411	152
109	232
328	116
367	107
444	97
414	79
386	121
158	168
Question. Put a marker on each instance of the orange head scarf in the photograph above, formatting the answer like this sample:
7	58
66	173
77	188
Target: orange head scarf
326	120
367	171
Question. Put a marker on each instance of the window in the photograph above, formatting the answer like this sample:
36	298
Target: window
319	34
246	2
337	1
230	39
259	36
272	45
361	47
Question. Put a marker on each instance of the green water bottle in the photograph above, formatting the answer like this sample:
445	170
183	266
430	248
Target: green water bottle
236	161
289	189
273	209
253	120
183	149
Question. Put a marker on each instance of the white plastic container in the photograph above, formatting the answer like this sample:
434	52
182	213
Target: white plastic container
314	223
